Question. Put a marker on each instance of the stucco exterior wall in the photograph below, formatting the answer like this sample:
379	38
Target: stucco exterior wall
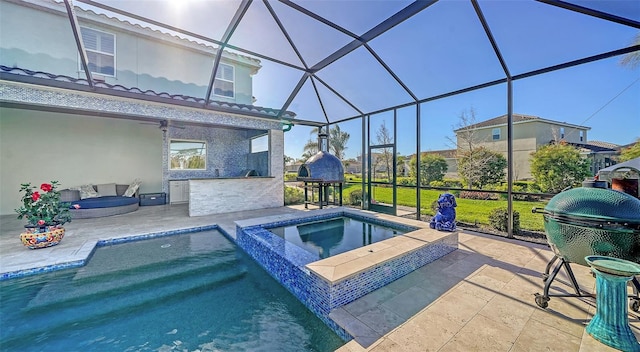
144	59
39	147
25	43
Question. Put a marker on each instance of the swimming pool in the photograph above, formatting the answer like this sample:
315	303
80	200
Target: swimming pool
329	237
194	291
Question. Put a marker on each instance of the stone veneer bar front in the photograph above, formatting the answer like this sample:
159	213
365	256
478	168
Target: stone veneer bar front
327	284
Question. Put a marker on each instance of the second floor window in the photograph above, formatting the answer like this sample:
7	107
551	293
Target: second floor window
496	134
101	51
224	84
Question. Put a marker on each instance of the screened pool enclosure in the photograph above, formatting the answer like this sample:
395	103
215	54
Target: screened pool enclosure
400	77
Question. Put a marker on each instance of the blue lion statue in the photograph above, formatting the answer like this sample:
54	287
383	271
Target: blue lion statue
445	218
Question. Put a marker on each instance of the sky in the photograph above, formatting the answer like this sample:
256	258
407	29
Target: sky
439	50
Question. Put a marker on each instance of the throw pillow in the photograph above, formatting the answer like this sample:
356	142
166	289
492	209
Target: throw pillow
133	187
107	189
87	191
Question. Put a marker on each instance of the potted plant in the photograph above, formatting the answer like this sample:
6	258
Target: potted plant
45	215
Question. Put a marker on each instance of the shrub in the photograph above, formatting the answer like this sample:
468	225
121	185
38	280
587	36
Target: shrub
478	195
293	196
453	183
290	176
437	184
404	181
498	219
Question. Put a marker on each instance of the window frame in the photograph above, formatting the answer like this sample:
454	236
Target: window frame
205	154
494	134
264	135
98	52
222	79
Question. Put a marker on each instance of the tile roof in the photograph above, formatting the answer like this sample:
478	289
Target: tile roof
502	120
603	144
49	78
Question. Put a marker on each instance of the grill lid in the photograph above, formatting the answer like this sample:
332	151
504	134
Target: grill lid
595	204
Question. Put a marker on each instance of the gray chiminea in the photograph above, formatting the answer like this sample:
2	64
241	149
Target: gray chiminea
322	172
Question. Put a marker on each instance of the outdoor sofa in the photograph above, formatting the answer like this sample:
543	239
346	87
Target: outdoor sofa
108	200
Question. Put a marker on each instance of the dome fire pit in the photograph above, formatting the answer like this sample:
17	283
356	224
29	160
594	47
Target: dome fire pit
586	221
322	172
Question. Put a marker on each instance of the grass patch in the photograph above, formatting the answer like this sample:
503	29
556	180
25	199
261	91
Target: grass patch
469	211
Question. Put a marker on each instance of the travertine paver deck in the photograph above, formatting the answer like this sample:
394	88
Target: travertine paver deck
478	298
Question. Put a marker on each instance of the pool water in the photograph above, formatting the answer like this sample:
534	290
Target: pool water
330	237
189	292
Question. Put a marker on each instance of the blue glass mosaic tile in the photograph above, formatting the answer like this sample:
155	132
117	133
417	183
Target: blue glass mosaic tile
287	264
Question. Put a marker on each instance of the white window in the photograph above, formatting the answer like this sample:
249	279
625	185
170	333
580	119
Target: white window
224	83
496	134
101	51
260	144
581	136
561	132
187	155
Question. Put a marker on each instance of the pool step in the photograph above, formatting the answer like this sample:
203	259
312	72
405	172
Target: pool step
112	301
113	283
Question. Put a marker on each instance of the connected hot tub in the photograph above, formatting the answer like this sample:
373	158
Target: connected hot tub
326	284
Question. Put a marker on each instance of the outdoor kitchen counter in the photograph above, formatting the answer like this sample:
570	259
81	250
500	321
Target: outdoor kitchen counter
228	194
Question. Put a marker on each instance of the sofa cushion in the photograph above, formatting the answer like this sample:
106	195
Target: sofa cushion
104	202
107	189
69	195
133	188
86	191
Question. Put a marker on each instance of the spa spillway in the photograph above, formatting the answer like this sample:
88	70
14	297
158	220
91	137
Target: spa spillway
590	221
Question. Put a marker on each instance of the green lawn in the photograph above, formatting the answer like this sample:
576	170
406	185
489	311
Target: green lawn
468	211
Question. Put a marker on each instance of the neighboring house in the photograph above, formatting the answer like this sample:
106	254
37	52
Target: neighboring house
146	100
529	134
600	154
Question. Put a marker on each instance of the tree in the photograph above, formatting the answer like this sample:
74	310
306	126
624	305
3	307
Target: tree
631	152
480	167
310	149
287	160
477	165
338	141
466	138
432	168
383	137
632	59
558	166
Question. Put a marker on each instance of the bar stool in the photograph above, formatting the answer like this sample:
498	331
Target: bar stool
610	324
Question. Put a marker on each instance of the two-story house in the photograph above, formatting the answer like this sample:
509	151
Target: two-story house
146	99
529	134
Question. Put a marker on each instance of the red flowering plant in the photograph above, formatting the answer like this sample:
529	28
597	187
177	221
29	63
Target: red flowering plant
42	206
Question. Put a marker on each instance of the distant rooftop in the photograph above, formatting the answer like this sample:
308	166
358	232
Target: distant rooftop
517	118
